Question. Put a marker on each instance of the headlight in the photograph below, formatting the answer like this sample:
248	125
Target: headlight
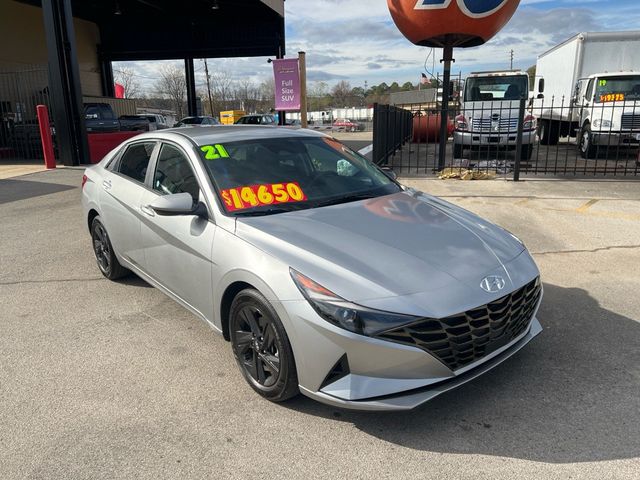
462	124
344	314
601	123
530	123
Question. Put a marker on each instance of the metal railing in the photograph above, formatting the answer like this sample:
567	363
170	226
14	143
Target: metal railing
513	137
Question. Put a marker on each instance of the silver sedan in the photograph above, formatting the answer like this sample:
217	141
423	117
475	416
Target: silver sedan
326	275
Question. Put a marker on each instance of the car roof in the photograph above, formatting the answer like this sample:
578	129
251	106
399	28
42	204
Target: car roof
229	133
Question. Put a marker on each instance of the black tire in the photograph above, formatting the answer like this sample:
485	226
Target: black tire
458	151
527	152
261	347
585	143
549	132
103	250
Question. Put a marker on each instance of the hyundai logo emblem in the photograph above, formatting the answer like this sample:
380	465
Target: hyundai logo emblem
492	284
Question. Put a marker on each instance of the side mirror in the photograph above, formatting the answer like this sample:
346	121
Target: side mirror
541	86
178	204
388	171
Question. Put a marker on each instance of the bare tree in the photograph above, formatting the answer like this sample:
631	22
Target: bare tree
222	88
127	78
268	93
172	85
341	93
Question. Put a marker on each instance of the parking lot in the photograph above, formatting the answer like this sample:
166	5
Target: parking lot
114	380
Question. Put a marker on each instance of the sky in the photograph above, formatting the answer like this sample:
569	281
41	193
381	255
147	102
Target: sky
357	41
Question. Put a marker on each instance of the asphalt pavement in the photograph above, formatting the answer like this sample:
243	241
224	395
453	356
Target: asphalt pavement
104	380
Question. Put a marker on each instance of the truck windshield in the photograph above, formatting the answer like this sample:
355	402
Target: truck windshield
618	89
507	87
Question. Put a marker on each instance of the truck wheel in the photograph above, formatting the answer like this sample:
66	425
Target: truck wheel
458	151
586	146
549	132
527	152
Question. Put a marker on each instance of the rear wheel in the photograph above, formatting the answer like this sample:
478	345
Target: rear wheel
261	347
103	250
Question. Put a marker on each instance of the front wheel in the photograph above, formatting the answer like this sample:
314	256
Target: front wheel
458	151
527	152
261	347
587	148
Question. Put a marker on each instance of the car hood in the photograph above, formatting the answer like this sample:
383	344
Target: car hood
399	244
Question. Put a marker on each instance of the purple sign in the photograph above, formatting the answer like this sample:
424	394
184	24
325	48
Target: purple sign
287	77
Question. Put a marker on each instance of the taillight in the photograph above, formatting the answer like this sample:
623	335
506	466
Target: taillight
462	123
530	123
84	180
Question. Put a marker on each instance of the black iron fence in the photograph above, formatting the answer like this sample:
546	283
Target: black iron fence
20	91
514	136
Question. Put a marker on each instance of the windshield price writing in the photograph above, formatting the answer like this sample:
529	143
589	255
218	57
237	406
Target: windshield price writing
242	198
612	97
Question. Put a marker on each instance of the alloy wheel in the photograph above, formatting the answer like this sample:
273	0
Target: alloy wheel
101	247
256	346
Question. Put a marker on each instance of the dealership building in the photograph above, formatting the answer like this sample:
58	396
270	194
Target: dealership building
60	53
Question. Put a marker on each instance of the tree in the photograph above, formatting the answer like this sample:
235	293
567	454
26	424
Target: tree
407	86
127	78
172	85
341	93
532	76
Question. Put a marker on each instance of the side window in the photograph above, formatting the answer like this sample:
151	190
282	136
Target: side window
135	161
174	173
589	93
106	112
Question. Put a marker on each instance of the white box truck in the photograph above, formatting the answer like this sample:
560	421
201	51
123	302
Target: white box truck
589	87
490	114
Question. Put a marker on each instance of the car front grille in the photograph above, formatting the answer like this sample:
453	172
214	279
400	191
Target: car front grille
489	125
467	337
630	121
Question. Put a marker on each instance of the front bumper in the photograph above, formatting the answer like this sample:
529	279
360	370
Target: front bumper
379	374
615	139
478	140
410	399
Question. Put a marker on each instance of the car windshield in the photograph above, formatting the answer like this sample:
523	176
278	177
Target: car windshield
507	87
268	176
192	121
618	89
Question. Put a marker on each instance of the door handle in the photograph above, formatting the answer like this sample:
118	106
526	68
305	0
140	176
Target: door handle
106	184
148	210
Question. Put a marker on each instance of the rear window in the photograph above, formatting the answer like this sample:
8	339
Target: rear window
135	161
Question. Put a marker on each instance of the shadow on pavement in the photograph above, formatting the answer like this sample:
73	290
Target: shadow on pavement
572	395
12	190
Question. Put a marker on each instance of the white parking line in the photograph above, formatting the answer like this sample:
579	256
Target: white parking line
366	150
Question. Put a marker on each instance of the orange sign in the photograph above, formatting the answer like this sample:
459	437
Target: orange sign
612	97
455	23
241	198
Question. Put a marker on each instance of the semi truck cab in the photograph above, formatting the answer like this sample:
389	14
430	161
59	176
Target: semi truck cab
490	113
606	111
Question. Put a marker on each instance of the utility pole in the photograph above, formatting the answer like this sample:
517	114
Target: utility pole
302	65
512	59
206	72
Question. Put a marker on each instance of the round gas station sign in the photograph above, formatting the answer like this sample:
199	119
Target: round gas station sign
454	23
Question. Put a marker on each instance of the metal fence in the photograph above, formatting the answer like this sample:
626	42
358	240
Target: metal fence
20	91
512	137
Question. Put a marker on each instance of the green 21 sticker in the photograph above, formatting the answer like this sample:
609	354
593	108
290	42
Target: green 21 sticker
212	152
